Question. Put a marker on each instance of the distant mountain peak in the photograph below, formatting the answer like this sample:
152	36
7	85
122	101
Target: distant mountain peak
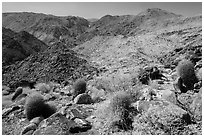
157	12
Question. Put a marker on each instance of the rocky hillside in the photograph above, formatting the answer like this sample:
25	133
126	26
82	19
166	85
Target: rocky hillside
18	46
47	28
56	63
173	40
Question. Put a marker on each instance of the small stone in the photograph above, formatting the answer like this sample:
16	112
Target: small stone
83	99
81	126
36	120
5	92
28	128
76	114
18	91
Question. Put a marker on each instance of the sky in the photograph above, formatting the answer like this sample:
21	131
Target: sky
98	9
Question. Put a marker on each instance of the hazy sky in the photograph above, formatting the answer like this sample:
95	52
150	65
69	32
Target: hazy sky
99	9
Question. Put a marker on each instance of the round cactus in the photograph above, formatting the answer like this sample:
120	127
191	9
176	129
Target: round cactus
49	109
35	106
18	91
79	87
185	70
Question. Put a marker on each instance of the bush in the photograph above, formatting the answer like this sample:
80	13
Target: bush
185	70
18	91
120	111
79	87
35	106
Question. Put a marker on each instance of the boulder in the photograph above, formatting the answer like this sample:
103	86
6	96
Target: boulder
58	124
168	95
160	117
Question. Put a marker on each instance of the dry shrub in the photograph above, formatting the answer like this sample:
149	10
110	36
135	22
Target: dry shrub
45	88
116	112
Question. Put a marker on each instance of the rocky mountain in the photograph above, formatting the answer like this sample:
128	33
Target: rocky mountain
18	46
145	21
47	28
161	37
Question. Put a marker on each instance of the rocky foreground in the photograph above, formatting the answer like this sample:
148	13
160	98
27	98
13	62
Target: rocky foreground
155	109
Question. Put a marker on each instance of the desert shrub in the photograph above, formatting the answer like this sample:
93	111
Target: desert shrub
45	88
103	83
96	95
35	106
114	82
185	70
119	108
79	87
18	91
